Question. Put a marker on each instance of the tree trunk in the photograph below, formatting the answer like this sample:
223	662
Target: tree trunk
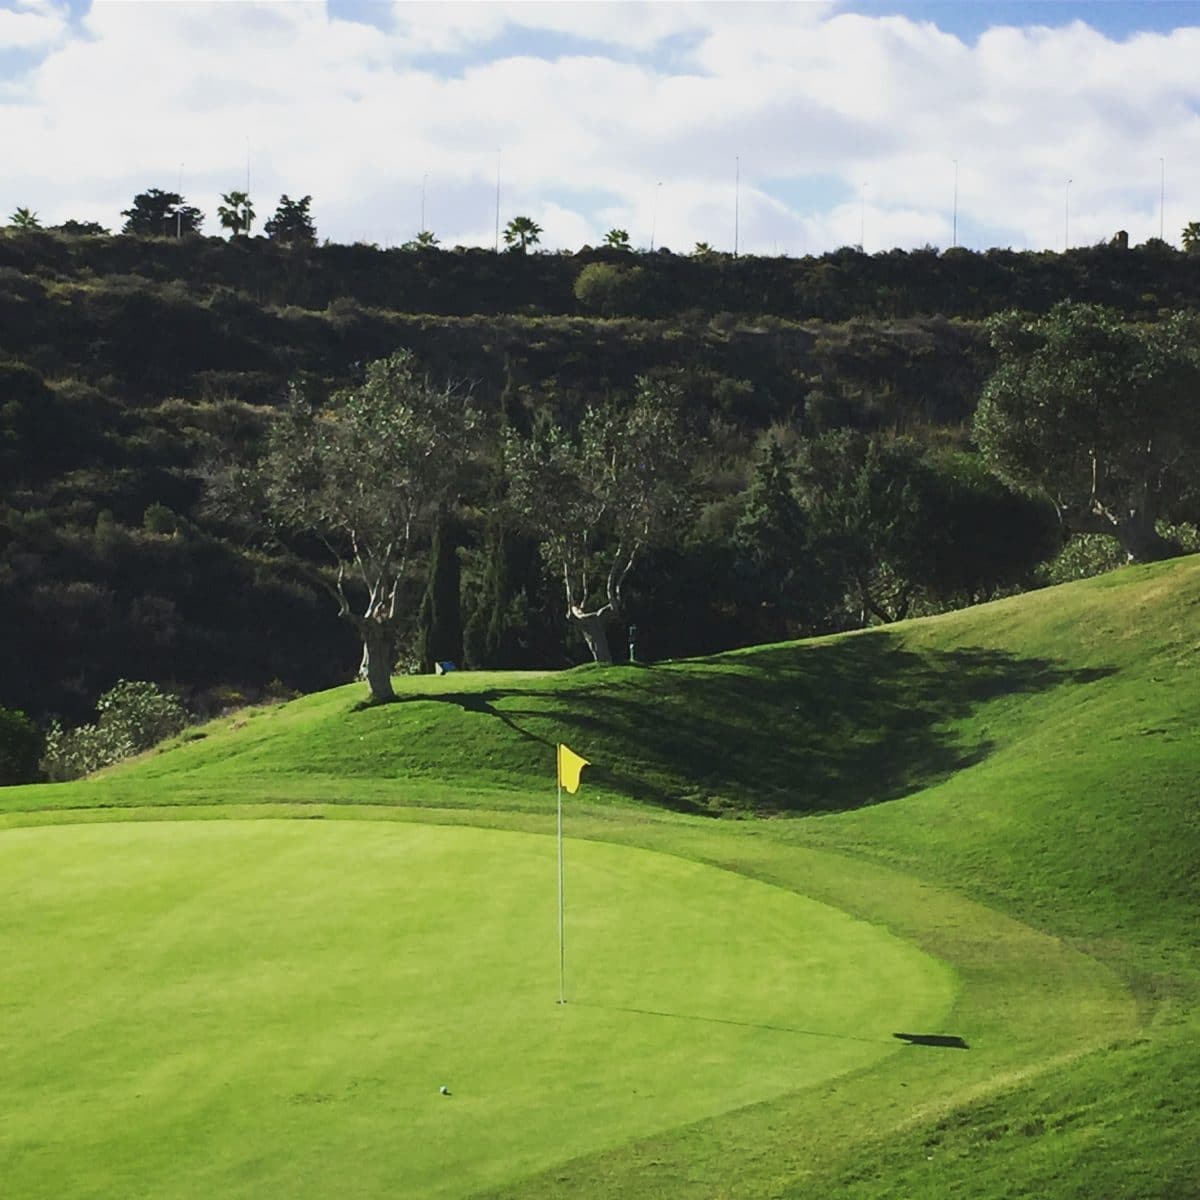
1133	527
594	627
1141	541
378	653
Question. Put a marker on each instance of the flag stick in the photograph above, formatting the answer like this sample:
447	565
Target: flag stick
562	948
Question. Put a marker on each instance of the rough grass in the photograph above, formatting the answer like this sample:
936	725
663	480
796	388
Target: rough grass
1011	788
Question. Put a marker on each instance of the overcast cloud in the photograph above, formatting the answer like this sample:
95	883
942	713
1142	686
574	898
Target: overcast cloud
821	126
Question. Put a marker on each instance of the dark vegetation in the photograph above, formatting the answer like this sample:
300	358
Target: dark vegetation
830	402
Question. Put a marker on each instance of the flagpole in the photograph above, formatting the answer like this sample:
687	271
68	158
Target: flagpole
562	949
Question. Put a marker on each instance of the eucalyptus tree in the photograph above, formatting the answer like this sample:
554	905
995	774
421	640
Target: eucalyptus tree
364	475
1100	415
597	496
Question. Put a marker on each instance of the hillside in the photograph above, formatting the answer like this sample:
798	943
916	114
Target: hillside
128	365
1011	787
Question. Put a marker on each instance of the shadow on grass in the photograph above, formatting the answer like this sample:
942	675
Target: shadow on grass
788	729
653	1012
948	1041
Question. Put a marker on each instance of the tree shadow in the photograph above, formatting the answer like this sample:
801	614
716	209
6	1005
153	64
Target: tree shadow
674	1016
948	1041
804	727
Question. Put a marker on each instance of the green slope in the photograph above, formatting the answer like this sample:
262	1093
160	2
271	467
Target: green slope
1012	788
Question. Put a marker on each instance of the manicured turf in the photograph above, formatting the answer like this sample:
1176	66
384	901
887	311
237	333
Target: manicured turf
1011	789
241	1008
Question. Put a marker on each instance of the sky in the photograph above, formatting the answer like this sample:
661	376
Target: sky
765	128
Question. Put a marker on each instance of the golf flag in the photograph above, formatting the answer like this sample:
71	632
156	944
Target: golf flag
570	765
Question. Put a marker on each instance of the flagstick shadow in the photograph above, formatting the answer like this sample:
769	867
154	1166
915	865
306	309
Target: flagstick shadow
651	1012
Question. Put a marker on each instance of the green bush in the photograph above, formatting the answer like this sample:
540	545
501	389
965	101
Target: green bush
20	748
132	717
608	289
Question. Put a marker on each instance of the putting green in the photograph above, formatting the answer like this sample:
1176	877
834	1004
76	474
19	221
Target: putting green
269	1008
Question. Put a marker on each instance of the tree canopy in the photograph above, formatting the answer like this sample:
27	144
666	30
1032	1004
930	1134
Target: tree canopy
292	223
236	213
156	213
365	475
1100	415
596	497
521	233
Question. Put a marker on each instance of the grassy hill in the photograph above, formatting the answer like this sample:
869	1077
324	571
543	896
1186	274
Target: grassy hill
1011	789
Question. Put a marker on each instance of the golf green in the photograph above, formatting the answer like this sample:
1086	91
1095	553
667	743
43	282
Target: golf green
270	1008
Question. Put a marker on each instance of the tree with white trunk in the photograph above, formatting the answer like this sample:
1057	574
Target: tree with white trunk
596	496
363	474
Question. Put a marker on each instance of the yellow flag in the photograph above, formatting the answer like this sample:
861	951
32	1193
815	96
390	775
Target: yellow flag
569	766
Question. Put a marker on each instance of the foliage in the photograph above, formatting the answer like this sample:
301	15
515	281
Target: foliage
292	224
596	497
156	213
609	289
365	475
20	747
82	229
24	218
424	240
771	535
132	717
1094	412
236	213
521	233
1191	237
617	239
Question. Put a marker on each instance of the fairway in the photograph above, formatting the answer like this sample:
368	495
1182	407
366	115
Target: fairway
270	1007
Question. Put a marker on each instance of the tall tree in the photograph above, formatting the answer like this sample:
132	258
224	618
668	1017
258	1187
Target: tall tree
596	497
1191	237
1098	414
156	213
771	534
365	475
862	500
521	233
617	239
292	224
236	213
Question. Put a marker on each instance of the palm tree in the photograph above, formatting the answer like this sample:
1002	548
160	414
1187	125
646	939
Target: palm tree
617	239
236	213
521	233
24	218
1191	237
702	250
425	240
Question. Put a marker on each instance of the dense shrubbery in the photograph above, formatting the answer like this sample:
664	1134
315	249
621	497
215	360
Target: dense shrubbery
105	429
20	748
131	717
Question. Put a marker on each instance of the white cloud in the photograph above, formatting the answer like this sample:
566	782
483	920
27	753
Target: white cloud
31	25
812	102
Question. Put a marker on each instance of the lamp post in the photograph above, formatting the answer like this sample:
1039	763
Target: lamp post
497	201
1162	194
737	191
954	225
